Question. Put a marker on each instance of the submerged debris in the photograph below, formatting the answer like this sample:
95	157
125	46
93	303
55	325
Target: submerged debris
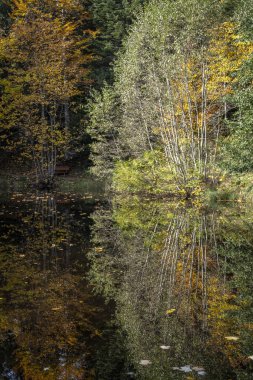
145	362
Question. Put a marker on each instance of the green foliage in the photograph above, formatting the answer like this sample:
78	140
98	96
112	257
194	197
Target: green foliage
104	125
238	149
5	9
150	173
179	272
237	187
243	13
173	79
112	18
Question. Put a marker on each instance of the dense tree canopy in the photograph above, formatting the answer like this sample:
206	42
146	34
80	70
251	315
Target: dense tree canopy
45	69
173	81
112	18
176	87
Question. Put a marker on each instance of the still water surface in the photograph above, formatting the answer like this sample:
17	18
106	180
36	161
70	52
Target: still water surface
126	288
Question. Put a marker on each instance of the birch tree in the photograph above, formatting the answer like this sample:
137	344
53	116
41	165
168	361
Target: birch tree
173	79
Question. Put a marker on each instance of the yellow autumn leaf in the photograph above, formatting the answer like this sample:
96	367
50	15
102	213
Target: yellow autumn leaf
170	311
97	333
99	249
71	340
232	338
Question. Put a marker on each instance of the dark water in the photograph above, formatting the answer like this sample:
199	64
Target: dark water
92	288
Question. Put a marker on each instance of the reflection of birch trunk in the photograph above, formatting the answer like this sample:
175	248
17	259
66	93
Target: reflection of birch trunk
46	216
169	247
48	231
148	254
182	273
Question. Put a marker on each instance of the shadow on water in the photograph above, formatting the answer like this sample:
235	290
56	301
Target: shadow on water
50	321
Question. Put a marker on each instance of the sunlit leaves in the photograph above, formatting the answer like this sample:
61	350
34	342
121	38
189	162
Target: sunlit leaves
232	338
45	62
170	311
170	96
228	51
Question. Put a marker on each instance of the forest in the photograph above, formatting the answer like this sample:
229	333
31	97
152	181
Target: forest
155	95
126	186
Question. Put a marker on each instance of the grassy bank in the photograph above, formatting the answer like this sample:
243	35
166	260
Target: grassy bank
234	187
150	176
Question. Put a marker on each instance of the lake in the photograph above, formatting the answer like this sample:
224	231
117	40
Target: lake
95	287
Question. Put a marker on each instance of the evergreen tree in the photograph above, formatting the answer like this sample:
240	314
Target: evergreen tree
238	149
5	8
112	18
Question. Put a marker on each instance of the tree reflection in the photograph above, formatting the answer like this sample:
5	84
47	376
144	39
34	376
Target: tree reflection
48	314
175	272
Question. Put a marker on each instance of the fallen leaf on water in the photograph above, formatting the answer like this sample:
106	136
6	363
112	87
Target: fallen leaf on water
165	347
186	368
56	308
198	369
71	340
233	338
249	357
170	311
201	373
145	362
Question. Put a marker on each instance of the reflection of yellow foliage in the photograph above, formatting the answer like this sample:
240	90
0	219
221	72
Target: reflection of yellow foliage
222	324
48	311
33	372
